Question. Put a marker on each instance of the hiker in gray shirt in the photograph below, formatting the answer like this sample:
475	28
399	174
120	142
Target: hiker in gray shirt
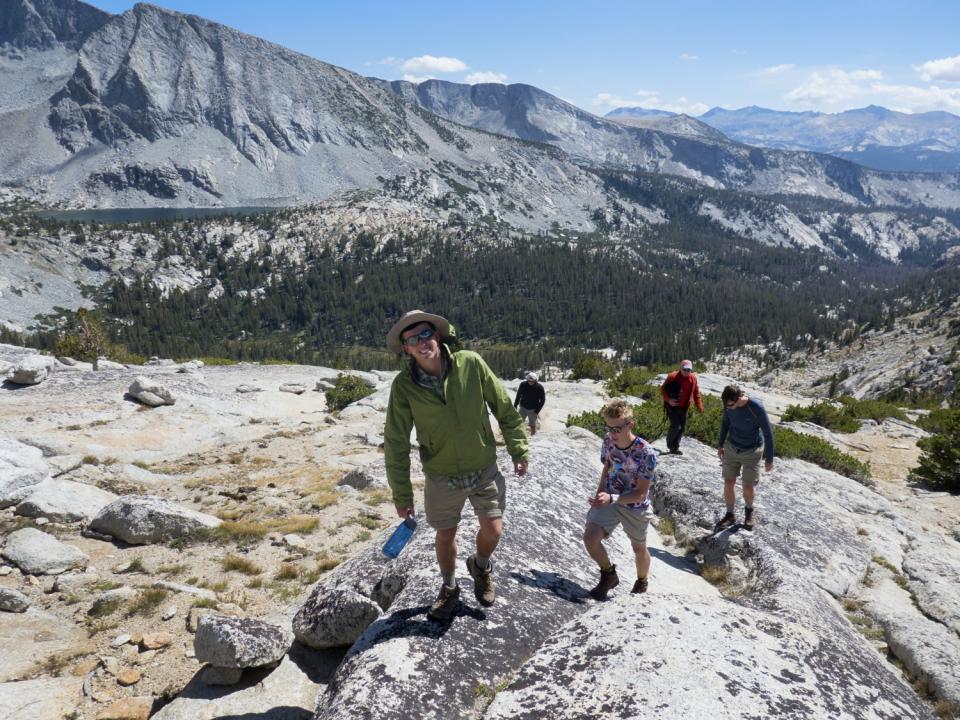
745	437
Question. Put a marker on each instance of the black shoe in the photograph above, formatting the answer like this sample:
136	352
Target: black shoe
678	451
748	519
445	604
640	586
725	522
608	581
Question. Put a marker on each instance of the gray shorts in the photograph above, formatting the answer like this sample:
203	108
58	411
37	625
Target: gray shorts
443	501
529	415
634	520
746	460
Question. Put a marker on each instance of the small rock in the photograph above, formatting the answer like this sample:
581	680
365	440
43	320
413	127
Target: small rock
152	641
102	363
130	676
36	552
13	601
248	389
133	708
295	388
189	653
32	370
169	612
295	541
150	392
41	521
213	675
32	580
120	640
146	656
110	664
5	570
69	582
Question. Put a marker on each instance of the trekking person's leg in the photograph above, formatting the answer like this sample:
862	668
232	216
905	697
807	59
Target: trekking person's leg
593	536
488	536
642	556
445	544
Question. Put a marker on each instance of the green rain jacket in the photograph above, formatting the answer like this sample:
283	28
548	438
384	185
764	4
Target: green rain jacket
455	434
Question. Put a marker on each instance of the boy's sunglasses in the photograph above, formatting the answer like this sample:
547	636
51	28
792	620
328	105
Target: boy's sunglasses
616	428
422	335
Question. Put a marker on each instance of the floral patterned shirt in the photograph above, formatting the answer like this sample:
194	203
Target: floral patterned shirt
628	468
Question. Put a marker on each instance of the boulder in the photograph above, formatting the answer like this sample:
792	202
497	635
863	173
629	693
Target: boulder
65	501
244	389
31	370
287	693
42	699
37	553
102	363
708	659
21	467
295	388
231	642
361	478
334	617
150	392
71	582
13	600
142	519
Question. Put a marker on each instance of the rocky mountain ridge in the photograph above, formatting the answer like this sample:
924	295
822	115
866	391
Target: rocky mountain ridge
161	108
872	136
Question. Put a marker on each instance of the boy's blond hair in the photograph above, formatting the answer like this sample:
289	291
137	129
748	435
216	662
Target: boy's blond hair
618	410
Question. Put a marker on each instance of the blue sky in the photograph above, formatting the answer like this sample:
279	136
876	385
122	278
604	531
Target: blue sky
685	56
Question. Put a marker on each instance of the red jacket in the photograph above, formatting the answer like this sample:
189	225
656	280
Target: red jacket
689	387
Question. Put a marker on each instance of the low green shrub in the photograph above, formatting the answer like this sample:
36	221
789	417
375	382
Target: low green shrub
347	389
592	367
940	459
651	425
845	414
636	381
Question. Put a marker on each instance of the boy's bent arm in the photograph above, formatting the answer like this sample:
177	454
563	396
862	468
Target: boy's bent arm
396	448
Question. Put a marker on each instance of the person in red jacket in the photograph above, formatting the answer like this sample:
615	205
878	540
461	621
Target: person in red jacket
678	390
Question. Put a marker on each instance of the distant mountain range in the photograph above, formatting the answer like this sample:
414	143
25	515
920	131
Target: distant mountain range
157	108
872	136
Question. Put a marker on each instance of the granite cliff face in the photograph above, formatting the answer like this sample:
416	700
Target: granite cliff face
161	108
683	147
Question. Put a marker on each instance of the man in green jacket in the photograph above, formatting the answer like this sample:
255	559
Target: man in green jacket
445	393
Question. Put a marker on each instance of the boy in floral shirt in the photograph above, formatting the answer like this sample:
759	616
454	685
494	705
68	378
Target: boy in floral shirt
622	497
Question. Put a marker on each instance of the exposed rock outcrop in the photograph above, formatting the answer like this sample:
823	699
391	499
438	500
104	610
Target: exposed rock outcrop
142	519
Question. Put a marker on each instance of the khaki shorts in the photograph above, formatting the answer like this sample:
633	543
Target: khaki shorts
748	460
634	520
443	503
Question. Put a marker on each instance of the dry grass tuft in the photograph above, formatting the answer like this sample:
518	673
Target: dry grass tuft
235	563
147	602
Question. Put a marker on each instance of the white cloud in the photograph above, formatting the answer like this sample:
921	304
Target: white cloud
417	79
432	64
650	100
835	86
777	69
688	56
485	77
832	90
947	69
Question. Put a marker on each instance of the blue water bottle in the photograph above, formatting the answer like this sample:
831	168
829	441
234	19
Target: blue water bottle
400	537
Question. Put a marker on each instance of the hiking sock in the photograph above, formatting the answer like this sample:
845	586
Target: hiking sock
642	578
482	562
450	580
748	508
730	509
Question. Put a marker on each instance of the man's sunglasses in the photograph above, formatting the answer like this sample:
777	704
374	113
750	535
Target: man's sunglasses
422	335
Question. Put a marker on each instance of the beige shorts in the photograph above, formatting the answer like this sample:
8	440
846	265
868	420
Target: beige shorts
746	460
635	521
443	502
531	416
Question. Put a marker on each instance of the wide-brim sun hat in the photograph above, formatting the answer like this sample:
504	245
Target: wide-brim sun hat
395	345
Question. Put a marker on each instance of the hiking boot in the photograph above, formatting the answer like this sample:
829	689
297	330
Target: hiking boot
678	451
748	519
446	603
725	522
640	586
608	581
482	581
